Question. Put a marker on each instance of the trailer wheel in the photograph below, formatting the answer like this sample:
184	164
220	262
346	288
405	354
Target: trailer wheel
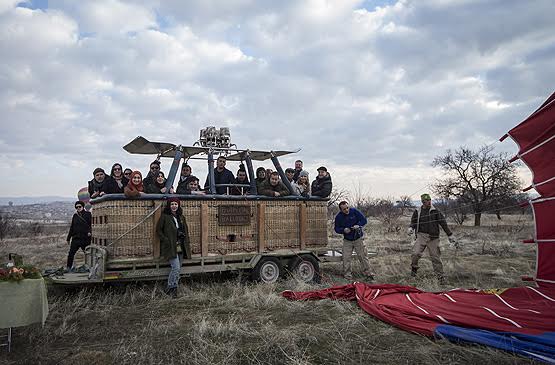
267	270
305	268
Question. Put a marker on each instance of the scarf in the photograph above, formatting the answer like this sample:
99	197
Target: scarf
134	187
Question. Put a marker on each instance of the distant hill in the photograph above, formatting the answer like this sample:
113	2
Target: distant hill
26	200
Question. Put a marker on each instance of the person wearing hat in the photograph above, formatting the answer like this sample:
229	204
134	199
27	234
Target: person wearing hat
100	184
79	235
322	185
302	186
174	241
424	225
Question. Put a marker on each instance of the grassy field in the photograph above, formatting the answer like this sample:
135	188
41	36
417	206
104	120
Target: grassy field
224	319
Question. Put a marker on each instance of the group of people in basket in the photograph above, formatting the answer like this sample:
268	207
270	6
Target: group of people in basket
268	182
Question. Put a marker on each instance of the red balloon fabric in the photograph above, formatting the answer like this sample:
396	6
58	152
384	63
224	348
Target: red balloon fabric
535	137
524	310
527	132
544	217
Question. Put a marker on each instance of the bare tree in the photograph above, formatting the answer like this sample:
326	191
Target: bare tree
337	195
388	214
360	197
476	178
405	203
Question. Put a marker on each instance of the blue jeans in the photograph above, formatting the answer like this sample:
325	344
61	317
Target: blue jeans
173	278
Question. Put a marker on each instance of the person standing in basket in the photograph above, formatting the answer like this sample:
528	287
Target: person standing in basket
350	222
79	235
174	241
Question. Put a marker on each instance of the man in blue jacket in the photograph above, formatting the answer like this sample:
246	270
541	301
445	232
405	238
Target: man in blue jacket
350	222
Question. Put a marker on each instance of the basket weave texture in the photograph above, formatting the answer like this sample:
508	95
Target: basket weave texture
127	227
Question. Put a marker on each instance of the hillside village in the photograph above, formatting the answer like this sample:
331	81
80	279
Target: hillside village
53	212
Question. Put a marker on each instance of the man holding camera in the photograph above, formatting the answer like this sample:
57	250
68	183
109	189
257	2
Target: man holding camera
350	222
424	225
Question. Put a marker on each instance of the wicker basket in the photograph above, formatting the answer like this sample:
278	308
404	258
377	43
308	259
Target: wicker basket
127	228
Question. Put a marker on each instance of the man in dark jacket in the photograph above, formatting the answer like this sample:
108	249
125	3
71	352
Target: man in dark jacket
152	173
273	187
350	222
424	225
321	186
298	169
241	179
221	176
186	173
102	184
79	235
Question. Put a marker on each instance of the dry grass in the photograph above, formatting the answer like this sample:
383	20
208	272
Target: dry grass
221	319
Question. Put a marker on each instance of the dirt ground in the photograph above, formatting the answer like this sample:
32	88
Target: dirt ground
224	319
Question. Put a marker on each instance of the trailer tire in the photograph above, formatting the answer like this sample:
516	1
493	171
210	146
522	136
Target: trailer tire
267	270
305	268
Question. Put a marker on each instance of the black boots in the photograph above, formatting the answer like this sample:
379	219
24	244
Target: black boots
172	292
413	272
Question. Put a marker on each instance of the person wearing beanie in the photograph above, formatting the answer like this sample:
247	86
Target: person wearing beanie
100	184
174	241
424	225
134	188
302	186
322	185
79	235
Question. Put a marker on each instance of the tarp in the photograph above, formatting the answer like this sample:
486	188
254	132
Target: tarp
520	320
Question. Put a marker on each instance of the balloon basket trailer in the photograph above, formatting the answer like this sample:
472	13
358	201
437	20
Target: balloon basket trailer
266	237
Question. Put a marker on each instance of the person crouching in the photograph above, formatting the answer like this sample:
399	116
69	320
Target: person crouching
174	241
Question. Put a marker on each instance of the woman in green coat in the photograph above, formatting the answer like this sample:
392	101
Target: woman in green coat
174	241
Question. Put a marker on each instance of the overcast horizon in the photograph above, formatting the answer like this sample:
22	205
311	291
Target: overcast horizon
373	90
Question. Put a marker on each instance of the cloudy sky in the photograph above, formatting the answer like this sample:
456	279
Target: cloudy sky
371	89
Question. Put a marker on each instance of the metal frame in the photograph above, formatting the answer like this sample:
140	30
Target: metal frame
8	342
141	145
159	270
